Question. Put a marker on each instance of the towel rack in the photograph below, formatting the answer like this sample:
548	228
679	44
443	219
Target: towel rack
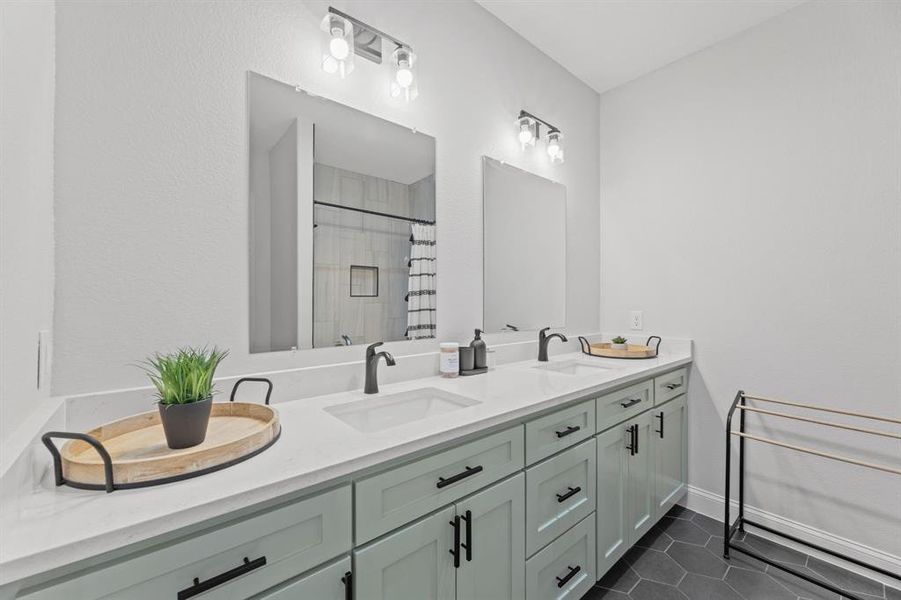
730	527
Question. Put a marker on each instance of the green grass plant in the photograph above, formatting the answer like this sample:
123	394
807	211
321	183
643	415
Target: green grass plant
184	376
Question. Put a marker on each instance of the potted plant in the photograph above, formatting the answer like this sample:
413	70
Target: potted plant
618	343
184	392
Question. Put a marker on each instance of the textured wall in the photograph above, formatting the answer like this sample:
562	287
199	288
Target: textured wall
763	176
152	161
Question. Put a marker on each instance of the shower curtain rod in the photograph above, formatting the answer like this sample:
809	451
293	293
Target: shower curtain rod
376	213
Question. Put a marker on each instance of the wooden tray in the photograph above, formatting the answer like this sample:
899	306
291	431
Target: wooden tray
136	448
634	351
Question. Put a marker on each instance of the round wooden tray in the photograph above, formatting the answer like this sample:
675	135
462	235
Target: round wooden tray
136	448
632	351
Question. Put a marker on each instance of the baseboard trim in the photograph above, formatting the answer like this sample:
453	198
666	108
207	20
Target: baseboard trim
712	504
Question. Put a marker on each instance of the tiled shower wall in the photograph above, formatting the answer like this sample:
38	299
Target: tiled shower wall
343	238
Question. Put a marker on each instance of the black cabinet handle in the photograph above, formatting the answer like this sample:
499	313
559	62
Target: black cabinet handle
200	587
442	482
672	386
561	581
637	437
631	445
566	496
630	402
569	430
456	550
660	431
468	545
348	581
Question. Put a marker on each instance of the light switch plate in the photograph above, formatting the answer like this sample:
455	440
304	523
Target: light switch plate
635	320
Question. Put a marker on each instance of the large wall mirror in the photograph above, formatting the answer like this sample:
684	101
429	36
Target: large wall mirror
342	224
525	249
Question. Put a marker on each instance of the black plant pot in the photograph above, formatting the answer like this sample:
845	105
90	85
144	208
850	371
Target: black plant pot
185	424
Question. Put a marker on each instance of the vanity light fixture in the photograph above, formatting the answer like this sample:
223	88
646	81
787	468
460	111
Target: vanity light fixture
403	65
338	52
347	37
530	131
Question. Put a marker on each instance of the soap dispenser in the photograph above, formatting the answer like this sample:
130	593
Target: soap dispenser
480	350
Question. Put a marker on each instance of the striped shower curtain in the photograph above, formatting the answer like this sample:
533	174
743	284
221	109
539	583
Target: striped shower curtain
421	286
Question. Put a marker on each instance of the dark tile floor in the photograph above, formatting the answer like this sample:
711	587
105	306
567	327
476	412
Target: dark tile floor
681	558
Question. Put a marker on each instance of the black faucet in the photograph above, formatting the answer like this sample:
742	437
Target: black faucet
543	340
372	364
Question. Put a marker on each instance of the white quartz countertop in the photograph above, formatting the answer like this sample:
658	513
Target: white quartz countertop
48	527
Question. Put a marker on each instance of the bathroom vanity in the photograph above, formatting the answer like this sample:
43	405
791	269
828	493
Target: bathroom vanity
529	482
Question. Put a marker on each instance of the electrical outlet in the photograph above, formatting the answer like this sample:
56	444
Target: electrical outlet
635	318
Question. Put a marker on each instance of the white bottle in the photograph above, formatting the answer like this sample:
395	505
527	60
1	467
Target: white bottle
450	359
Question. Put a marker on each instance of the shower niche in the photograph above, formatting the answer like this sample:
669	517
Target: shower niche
342	224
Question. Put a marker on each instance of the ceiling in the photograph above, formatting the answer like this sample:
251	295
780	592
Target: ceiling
607	43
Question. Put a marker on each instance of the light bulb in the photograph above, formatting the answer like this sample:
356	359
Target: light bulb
525	133
553	148
338	46
404	76
329	64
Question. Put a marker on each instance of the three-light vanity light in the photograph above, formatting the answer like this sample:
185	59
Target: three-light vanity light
346	38
529	132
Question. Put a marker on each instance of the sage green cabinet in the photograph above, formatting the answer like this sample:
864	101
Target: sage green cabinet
493	567
670	449
626	507
327	583
418	560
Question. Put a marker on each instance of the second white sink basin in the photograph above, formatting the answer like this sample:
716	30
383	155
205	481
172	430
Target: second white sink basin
573	367
384	412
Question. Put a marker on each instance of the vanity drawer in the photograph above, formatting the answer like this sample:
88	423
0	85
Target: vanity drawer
565	570
560	492
326	583
388	500
623	404
561	429
247	556
670	385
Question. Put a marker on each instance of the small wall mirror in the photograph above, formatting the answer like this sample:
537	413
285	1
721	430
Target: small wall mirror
524	249
342	224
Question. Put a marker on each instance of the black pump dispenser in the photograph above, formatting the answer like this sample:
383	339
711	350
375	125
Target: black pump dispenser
480	350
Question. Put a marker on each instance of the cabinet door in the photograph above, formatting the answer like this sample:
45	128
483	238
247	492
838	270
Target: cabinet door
492	566
613	472
640	504
669	442
327	583
414	562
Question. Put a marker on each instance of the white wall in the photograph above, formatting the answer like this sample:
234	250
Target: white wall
26	202
151	185
751	200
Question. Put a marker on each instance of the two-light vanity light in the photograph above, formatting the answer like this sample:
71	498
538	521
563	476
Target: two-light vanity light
529	131
347	37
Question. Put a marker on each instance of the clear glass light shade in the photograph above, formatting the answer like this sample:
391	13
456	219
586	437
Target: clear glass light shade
404	80
555	146
528	131
338	45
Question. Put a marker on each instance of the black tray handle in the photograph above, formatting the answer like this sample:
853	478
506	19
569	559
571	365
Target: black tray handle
258	379
586	346
57	459
657	346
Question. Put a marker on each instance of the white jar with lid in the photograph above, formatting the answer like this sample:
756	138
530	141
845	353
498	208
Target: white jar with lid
450	359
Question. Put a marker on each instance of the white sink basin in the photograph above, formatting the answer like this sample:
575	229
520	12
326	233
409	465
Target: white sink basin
574	367
384	412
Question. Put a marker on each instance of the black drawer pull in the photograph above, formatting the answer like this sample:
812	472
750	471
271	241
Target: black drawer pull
442	482
468	545
561	581
660	431
567	431
632	447
672	386
566	496
348	581
200	587
456	550
630	402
